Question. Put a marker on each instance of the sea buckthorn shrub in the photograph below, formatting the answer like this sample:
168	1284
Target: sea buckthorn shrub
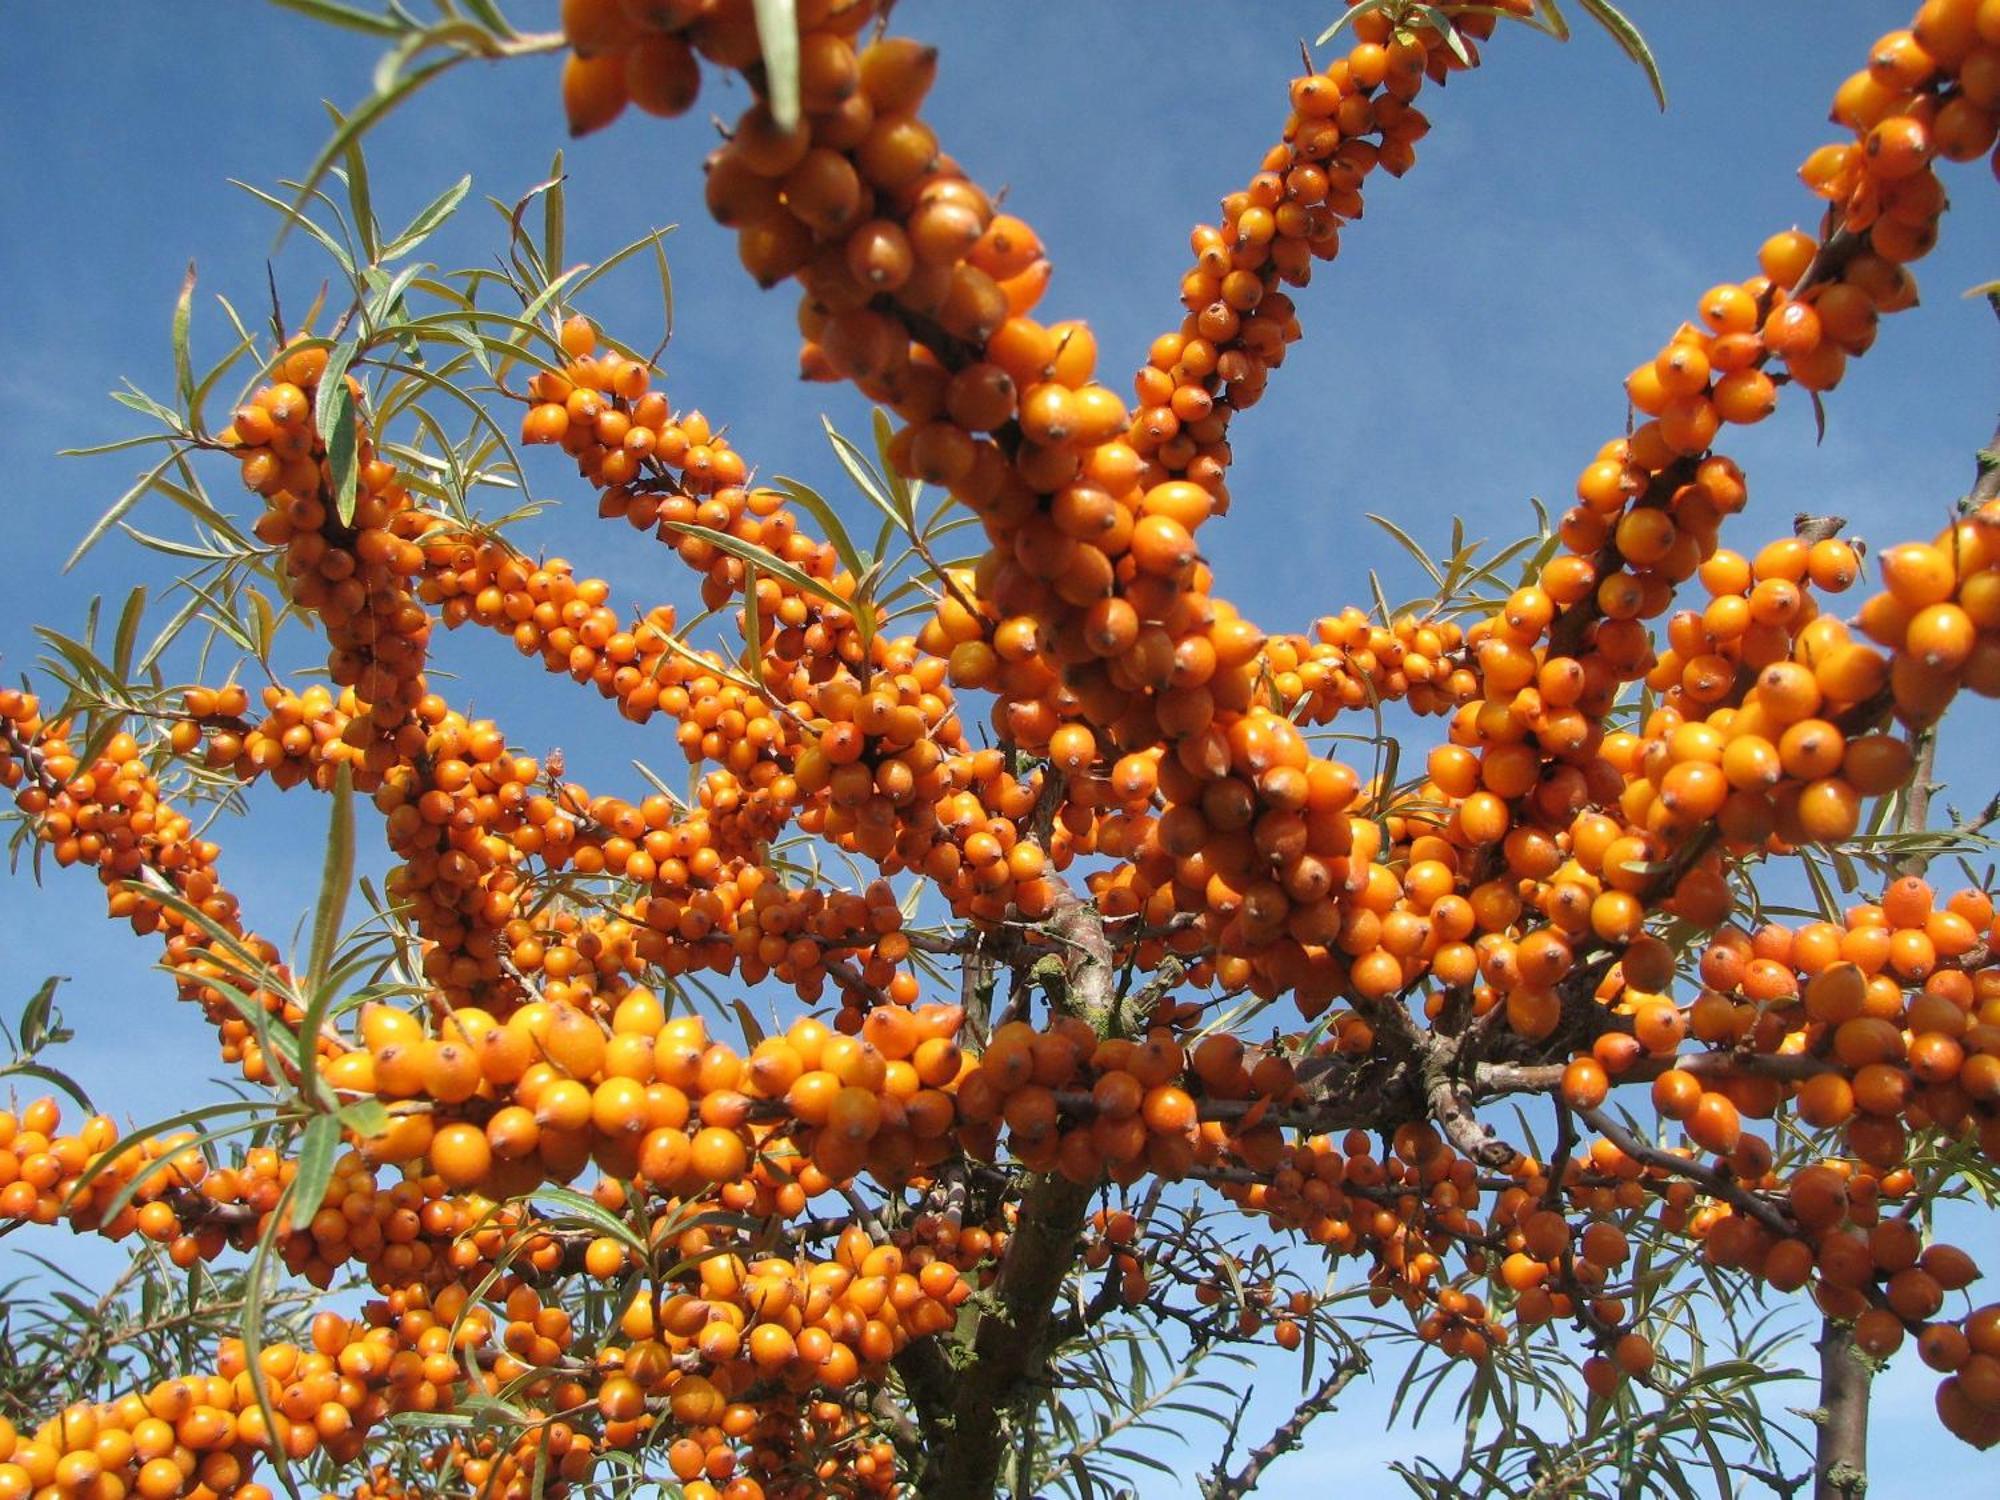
1091	903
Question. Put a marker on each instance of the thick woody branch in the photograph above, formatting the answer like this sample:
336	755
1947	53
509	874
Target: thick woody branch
1446	1098
1840	1467
1496	1078
1009	1346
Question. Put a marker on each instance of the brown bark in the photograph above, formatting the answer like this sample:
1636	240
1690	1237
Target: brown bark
1840	1462
1289	1434
966	1412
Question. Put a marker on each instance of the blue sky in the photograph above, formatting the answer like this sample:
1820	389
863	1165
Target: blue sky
1463	354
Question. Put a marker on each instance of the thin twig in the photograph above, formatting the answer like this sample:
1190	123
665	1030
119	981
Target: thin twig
1289	1433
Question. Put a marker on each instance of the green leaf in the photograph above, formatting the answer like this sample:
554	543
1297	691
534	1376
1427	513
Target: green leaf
389	290
553	218
333	247
489	13
365	1117
653	780
1410	546
118	509
666	288
349	17
154	888
1829	904
318	1144
34	1026
753	624
1629	41
434	213
861	472
145	405
335	417
1381	599
901	490
127	634
371	112
593	1213
753	1034
251	1331
116	445
192	498
207	382
815	505
552	293
1444	27
172	1123
336	875
90	671
50	1075
770	562
183	364
360	206
1360	10
778	37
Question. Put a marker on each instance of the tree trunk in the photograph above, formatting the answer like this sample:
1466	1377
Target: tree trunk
1009	1350
966	1430
1840	1466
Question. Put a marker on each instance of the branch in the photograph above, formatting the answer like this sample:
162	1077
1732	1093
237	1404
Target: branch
1718	1184
1446	1099
893	1420
1288	1435
1009	1346
1495	1078
1840	1462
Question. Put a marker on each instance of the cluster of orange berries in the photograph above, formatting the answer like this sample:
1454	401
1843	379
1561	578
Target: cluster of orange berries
1081	1106
198	1436
1930	91
807	1324
604	412
408	1231
435	769
41	1171
1774	708
645	54
771	1451
655	1102
1536	844
872	758
1873	1271
731	1351
1771	730
1000	409
706	1358
1238	323
355	575
109	813
1899	1007
1649	503
467	814
1421	662
1780	758
662	471
1939	616
1339	1194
